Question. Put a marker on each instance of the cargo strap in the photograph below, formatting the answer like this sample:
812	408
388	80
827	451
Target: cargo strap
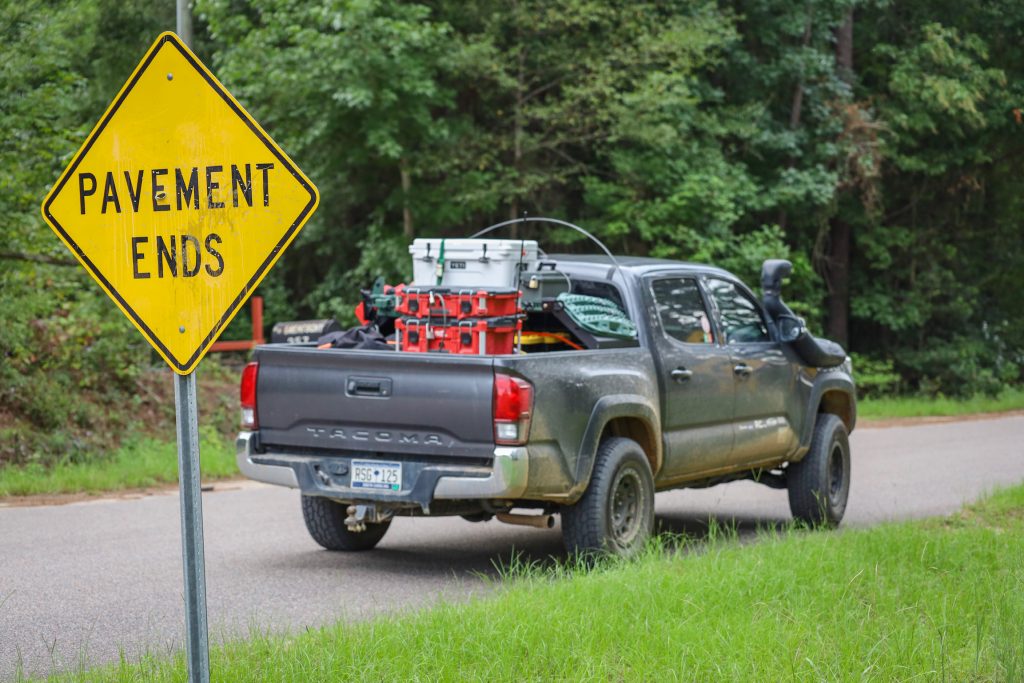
439	271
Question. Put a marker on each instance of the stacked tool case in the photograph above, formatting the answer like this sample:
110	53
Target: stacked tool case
469	320
458	303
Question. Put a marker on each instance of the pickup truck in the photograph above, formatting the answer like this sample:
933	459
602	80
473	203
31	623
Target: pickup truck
718	386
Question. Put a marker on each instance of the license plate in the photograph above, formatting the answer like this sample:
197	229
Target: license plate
371	474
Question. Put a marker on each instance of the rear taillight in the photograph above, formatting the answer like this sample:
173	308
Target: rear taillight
248	396
513	406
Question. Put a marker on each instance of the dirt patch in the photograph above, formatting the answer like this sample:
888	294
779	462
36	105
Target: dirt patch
42	499
217	397
883	423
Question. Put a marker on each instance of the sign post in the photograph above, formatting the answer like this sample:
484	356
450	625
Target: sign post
178	204
197	648
186	419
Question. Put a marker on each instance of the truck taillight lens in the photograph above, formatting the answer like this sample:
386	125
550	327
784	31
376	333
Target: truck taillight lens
248	396
513	407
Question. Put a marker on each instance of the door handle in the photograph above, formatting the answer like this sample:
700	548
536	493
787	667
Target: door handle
368	386
681	374
742	370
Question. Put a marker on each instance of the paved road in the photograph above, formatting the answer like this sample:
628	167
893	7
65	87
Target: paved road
82	582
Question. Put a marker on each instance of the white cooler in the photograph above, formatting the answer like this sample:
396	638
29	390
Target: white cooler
472	262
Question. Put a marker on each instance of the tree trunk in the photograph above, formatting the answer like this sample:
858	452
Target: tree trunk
517	146
407	229
838	270
839	281
517	137
844	48
797	107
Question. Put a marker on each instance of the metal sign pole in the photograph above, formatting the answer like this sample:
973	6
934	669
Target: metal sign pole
197	645
197	648
184	28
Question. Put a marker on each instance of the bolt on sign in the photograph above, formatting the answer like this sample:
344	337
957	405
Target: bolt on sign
178	203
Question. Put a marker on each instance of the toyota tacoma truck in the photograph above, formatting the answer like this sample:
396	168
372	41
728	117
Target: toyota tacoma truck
718	386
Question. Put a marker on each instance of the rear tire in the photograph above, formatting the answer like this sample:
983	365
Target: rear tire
819	485
616	513
325	521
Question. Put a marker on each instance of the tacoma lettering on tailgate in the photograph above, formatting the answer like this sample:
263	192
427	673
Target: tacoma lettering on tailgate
411	438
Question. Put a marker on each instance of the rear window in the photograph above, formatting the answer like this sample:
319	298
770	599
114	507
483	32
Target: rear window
603	290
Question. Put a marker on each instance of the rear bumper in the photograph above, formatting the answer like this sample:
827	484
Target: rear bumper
328	476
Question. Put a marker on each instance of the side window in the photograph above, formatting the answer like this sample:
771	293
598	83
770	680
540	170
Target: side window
681	310
741	316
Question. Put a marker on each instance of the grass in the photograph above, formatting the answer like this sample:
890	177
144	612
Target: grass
139	463
914	406
931	600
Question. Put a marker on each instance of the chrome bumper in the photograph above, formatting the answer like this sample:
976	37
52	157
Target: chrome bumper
271	474
505	479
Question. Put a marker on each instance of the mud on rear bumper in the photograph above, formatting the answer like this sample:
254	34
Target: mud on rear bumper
328	476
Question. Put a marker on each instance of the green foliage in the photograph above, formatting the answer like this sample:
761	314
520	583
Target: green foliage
59	343
42	46
875	377
939	86
929	283
963	365
726	132
350	90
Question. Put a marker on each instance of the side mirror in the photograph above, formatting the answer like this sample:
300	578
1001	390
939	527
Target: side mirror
790	327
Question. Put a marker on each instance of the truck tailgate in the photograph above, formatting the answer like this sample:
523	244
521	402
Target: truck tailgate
370	402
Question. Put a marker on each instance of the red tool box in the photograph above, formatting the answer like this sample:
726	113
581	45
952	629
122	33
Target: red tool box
477	336
457	304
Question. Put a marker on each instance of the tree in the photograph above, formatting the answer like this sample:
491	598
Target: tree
350	91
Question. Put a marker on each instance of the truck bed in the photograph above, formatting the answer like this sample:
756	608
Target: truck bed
375	402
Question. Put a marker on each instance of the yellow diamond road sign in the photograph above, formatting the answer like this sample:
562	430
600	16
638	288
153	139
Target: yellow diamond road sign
178	203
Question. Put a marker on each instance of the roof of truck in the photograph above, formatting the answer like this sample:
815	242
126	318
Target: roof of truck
637	264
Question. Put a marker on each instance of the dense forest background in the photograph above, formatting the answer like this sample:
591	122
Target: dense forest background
877	144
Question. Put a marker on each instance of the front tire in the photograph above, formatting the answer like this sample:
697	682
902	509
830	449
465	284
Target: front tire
325	521
819	485
616	513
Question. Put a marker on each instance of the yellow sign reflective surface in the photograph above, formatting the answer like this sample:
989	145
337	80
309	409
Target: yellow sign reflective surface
178	203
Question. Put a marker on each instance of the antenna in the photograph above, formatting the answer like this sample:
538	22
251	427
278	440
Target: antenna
539	219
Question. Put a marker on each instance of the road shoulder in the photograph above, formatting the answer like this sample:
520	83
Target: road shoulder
886	422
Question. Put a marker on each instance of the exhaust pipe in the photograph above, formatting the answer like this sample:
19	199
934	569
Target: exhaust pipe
536	521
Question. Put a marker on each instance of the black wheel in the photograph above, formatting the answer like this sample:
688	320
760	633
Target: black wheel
325	521
820	483
616	513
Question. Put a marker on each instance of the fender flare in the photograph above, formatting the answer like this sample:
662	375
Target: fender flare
825	382
605	410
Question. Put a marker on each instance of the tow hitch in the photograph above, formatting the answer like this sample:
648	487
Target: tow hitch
361	515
